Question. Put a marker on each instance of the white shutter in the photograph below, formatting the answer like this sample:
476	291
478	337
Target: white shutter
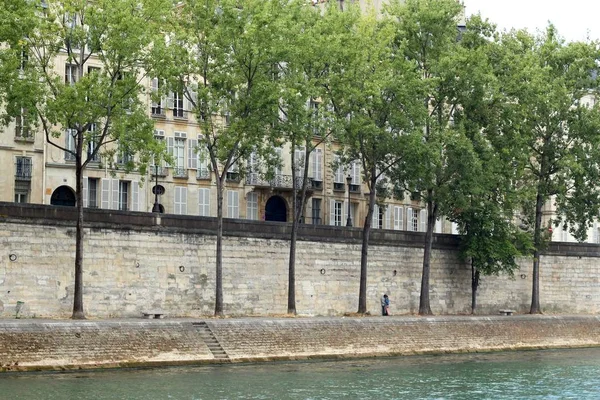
154	89
317	164
85	191
375	217
339	172
252	206
170	100
183	200
170	146
423	220
105	196
409	219
142	199
115	194
398	218
135	197
204	202
388	217
233	204
177	201
438	225
332	212
192	155
355	172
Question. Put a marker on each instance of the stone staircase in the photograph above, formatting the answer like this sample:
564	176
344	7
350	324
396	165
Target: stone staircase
211	341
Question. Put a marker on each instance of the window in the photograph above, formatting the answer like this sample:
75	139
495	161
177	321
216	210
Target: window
314	116
70	136
336	213
22	189
376	219
338	178
91	144
176	148
316	211
92	192
423	218
24	58
299	158
252	206
204	202
123	195
21	128
178	109
233	173
23	169
71	74
157	107
180	200
355	175
233	204
280	166
124	156
203	171
398	218
412	220
21	197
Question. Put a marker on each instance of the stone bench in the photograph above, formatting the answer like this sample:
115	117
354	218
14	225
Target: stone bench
506	312
153	314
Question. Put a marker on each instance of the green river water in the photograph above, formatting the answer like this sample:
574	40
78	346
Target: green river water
551	374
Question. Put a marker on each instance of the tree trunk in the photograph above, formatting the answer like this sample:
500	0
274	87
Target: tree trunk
474	286
219	261
78	290
362	293
537	243
424	306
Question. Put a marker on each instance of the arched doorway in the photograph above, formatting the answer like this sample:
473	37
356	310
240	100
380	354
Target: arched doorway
276	209
63	196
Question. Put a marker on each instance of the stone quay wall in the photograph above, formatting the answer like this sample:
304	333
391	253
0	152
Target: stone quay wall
134	262
61	345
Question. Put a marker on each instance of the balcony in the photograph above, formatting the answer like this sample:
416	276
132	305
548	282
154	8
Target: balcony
203	173
339	187
316	184
158	171
24	135
354	188
179	113
278	181
23	170
158	112
180	173
233	176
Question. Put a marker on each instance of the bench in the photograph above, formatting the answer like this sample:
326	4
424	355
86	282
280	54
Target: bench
506	312
153	314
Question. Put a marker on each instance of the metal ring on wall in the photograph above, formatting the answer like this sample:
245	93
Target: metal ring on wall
181	268
12	257
322	271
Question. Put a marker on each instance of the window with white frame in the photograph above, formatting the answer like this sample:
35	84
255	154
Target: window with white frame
339	171
71	74
280	166
178	105
123	195
70	136
176	148
233	204
423	220
299	155
157	107
316	211
252	206
412	220
204	202
180	200
92	141
336	213
355	173
203	171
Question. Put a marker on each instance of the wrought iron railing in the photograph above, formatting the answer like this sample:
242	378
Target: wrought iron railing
278	181
23	169
203	173
180	172
158	112
158	171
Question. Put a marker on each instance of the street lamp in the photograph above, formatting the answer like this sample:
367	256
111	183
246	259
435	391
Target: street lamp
156	207
349	220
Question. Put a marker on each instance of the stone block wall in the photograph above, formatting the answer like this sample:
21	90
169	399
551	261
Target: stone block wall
135	262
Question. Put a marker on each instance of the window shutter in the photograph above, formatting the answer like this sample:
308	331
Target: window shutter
398	218
170	100
115	194
332	212
135	198
154	89
85	191
375	217
438	225
317	164
388	217
141	198
232	204
170	146
339	172
279	169
177	200
409	219
192	155
105	198
204	202
183	200
423	220
355	172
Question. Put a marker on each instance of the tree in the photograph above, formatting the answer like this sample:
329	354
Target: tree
220	59
107	45
304	111
373	90
551	116
440	160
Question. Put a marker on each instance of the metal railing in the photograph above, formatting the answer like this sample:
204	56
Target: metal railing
203	174
23	170
179	172
278	181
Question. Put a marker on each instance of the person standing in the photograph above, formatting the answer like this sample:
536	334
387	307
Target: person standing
385	305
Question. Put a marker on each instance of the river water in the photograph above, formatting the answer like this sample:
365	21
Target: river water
550	374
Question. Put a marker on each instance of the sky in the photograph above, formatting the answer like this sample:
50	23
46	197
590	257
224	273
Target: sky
574	19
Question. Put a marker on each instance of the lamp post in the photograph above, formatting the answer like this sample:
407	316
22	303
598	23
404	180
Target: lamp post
349	220
156	207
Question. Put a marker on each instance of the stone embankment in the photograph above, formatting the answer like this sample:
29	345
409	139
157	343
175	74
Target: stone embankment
27	345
